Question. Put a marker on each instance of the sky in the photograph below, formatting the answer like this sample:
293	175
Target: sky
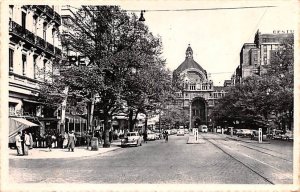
216	36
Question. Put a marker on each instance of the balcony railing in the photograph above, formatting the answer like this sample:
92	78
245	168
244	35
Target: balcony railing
57	51
40	42
29	36
50	12
32	38
49	47
16	29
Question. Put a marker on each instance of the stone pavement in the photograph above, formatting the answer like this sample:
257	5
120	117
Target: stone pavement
82	151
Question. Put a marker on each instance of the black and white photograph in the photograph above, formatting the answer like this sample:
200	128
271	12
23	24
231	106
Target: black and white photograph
149	95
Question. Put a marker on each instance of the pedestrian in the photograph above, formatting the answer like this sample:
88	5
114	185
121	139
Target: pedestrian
19	144
166	136
26	142
31	141
49	141
88	138
110	136
97	134
145	136
72	141
66	140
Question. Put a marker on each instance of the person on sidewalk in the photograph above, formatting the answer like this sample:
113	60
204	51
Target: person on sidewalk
72	141
166	136
66	140
19	144
145	136
26	142
31	141
49	141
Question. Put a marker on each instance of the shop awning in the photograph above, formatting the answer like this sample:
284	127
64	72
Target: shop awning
32	101
17	124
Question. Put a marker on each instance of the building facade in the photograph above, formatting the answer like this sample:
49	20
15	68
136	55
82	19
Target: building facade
255	57
34	46
199	95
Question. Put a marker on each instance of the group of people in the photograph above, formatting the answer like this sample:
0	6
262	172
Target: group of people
23	143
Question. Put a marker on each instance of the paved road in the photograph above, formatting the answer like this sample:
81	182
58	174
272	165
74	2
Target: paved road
217	161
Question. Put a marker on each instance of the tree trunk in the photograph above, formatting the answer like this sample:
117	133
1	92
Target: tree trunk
63	111
146	123
91	113
131	120
106	143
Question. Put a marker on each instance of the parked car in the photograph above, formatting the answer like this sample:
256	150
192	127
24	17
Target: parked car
131	138
151	136
277	134
244	132
158	135
180	132
288	135
254	135
186	131
219	130
203	128
173	131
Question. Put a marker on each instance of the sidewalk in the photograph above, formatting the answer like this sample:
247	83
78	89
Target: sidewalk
55	153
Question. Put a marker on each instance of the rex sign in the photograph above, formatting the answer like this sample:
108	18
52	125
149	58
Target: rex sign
79	60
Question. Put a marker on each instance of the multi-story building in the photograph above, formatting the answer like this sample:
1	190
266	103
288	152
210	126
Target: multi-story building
255	57
34	46
199	95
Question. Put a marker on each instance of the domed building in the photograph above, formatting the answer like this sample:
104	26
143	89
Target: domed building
199	94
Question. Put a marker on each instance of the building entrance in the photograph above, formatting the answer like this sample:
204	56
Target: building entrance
199	111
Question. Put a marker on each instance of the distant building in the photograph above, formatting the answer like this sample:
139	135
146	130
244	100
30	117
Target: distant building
34	46
255	57
199	94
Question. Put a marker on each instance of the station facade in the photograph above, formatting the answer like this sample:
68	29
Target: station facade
199	95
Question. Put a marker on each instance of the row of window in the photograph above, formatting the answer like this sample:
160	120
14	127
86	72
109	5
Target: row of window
215	94
24	25
24	64
202	87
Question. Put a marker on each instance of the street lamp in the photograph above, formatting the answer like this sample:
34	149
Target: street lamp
142	16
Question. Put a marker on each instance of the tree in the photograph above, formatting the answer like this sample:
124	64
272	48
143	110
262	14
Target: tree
256	97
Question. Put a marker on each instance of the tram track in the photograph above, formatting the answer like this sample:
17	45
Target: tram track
234	158
266	153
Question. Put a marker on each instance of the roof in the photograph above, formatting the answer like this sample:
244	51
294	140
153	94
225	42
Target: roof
189	63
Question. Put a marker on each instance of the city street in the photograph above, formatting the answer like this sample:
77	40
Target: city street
219	160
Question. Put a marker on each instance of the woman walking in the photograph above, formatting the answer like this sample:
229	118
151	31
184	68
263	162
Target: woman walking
66	140
72	141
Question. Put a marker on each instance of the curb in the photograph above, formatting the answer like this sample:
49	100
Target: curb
236	139
94	153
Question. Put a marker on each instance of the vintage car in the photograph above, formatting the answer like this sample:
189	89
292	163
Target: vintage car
131	139
180	132
288	135
244	133
151	136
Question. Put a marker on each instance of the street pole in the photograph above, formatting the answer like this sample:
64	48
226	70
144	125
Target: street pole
190	126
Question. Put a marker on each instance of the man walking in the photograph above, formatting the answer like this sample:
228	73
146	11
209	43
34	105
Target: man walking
19	144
